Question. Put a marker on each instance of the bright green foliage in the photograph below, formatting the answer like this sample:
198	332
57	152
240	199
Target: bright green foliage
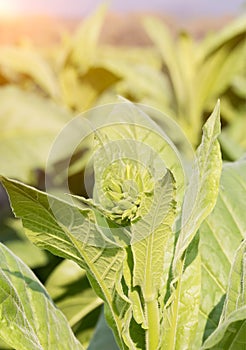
230	332
200	72
29	318
128	256
70	290
220	237
27	132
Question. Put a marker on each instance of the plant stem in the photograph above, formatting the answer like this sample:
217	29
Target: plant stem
152	333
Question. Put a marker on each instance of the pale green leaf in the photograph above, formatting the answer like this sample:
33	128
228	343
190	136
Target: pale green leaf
18	63
236	291
182	310
149	255
73	233
29	318
230	333
216	74
201	194
229	35
220	237
149	250
29	125
82	52
162	38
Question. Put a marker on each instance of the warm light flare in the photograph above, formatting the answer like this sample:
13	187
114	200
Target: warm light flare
8	8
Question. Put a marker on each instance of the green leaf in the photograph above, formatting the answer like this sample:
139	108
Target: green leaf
201	194
236	291
82	52
229	35
73	233
149	255
182	309
162	38
29	124
29	318
220	237
230	333
18	63
199	200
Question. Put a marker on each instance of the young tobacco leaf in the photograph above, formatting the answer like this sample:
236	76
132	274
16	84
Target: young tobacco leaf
29	320
201	195
182	309
230	333
220	237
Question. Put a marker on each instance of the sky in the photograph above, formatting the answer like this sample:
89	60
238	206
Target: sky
78	8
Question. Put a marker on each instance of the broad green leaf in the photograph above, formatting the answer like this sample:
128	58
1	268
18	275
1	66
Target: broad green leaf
18	63
148	252
199	200
73	233
230	333
29	124
149	255
29	318
182	310
201	194
220	237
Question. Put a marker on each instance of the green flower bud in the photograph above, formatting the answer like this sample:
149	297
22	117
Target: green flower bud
125	184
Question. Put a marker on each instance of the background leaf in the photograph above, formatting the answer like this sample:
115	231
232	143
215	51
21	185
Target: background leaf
69	288
29	124
25	66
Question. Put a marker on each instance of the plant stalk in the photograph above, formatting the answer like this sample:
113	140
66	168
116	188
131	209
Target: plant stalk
152	333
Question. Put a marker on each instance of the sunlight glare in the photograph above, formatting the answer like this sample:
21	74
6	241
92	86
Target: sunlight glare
8	8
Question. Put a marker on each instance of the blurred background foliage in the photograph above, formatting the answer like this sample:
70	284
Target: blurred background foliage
41	89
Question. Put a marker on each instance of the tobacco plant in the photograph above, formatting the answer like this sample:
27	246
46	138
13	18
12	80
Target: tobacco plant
137	238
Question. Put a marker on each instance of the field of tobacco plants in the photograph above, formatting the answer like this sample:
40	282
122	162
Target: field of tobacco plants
123	191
